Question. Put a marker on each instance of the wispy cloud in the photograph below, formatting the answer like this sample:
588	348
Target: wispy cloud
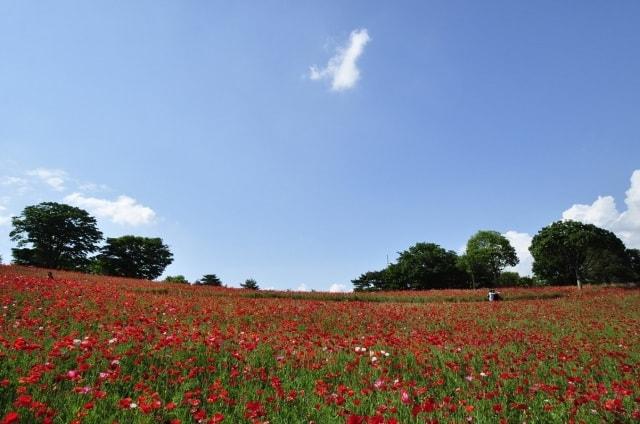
342	68
54	178
123	210
17	185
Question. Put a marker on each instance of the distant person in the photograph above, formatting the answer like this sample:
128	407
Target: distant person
494	295
50	275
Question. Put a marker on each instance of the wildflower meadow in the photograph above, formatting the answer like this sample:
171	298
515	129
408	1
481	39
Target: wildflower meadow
95	349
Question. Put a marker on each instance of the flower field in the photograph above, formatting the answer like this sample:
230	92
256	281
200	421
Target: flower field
93	349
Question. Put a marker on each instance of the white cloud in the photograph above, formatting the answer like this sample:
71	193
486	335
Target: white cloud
302	288
342	68
604	213
13	181
92	187
17	185
521	243
54	178
339	288
124	210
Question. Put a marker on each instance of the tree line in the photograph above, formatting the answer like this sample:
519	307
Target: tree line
59	236
564	253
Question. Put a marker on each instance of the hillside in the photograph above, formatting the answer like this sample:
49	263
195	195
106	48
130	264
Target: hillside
92	349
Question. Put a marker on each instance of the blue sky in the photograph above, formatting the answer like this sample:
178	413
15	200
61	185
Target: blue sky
447	118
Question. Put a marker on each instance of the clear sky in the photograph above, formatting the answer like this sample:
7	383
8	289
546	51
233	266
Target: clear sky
300	143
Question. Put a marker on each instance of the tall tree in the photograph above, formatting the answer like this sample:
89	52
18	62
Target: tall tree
570	252
135	257
210	280
488	253
54	235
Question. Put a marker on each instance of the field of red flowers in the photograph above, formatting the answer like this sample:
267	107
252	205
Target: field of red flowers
92	349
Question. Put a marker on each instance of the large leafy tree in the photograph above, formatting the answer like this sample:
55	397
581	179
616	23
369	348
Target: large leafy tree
488	253
427	266
54	235
423	266
135	257
570	252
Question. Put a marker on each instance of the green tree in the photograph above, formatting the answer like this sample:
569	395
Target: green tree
135	257
527	281
509	279
570	252
176	279
210	280
427	266
488	253
421	267
250	284
54	235
370	281
633	256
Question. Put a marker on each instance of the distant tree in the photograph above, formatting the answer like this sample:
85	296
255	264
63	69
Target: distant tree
427	266
570	252
210	280
250	284
509	279
527	281
370	281
135	257
487	254
176	279
54	235
421	267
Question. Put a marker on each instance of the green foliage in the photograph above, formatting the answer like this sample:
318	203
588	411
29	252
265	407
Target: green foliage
427	266
488	253
176	279
570	252
370	281
54	235
421	267
527	281
210	280
633	259
250	284
135	257
509	279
